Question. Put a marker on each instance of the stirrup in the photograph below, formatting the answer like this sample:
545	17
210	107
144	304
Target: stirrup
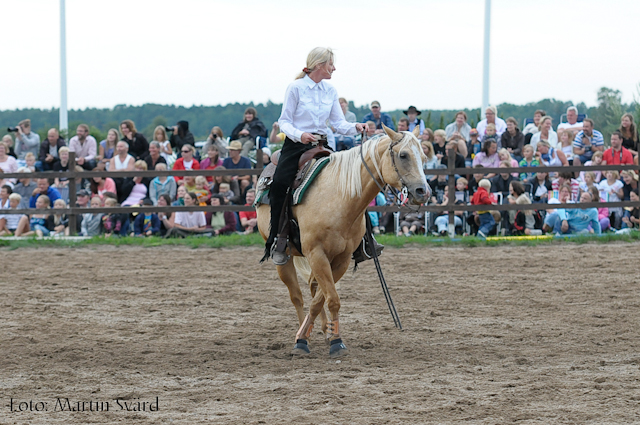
364	251
280	258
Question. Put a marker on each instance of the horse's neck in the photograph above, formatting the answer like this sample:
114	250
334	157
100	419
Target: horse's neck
370	188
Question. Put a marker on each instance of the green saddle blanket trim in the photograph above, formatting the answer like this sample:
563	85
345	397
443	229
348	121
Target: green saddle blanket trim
299	193
308	179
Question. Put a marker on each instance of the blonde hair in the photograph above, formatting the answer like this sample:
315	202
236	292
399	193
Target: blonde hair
485	183
163	131
462	180
226	186
527	148
542	120
493	109
110	202
15	197
597	154
524	200
491	126
201	180
63	149
29	155
440	133
503	151
316	57
615	174
429	145
161	166
141	164
591	174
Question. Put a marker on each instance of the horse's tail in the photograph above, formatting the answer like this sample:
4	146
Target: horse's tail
303	268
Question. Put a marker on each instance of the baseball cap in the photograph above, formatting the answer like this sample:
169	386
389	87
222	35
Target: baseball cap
375	103
83	192
473	132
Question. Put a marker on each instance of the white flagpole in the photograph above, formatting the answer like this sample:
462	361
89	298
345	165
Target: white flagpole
64	122
485	68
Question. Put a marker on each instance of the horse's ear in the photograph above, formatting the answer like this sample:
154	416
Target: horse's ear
396	137
416	131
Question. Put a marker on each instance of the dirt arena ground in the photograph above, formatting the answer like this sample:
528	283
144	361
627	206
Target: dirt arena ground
550	336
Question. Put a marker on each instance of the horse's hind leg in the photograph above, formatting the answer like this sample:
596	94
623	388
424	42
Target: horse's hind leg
323	313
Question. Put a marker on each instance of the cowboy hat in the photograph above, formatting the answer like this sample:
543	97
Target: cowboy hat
412	109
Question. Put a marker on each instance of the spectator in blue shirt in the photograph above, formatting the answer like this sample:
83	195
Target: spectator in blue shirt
236	161
44	189
575	220
587	142
378	117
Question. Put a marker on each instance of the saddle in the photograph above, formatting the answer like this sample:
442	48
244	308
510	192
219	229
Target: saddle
307	160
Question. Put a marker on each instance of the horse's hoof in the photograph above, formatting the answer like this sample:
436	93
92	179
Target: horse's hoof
301	348
337	348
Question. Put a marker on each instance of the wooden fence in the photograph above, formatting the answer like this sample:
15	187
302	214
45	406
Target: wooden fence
73	212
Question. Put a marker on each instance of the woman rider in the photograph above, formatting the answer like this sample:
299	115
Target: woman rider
309	102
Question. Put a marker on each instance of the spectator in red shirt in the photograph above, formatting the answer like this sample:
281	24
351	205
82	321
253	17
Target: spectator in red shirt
617	154
186	162
249	219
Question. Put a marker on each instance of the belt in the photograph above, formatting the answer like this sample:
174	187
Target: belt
320	137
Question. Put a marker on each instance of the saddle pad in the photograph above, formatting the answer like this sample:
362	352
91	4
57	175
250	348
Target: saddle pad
262	193
309	178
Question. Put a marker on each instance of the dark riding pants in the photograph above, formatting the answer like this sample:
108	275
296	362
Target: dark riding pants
283	179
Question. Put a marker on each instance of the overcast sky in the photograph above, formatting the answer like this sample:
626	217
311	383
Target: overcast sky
426	53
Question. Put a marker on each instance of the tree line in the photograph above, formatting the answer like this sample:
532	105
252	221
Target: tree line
606	115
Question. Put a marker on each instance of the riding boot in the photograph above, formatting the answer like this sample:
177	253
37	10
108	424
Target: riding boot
364	251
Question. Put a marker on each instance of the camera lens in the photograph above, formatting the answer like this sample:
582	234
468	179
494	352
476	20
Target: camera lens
168	128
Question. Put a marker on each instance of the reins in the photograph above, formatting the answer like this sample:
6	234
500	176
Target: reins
395	192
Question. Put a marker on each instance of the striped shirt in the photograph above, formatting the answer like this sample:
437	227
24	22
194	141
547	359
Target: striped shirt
575	188
596	139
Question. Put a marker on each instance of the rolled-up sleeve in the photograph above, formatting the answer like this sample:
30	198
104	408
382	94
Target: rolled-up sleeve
286	117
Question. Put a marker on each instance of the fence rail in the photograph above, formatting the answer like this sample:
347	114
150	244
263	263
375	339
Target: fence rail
73	212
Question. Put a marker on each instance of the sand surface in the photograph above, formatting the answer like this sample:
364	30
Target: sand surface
492	335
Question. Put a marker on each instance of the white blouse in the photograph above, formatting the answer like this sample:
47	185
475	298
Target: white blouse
307	107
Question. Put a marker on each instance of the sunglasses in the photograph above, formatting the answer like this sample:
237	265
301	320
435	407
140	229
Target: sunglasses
187	151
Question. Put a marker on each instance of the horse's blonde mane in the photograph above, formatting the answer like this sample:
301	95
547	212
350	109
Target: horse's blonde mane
346	166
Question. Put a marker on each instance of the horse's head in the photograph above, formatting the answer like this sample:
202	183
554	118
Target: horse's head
402	165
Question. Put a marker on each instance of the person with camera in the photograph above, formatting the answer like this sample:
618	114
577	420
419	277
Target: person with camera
181	136
85	146
26	141
216	138
49	149
247	131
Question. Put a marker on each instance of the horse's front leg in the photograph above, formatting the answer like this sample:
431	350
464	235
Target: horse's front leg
324	273
289	276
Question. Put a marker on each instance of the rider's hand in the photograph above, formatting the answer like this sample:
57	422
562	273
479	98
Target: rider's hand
307	138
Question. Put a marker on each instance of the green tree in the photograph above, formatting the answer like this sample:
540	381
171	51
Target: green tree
609	111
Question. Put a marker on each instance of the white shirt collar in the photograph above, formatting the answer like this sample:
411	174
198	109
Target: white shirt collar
311	84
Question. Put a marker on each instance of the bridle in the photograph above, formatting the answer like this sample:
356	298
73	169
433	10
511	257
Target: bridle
401	196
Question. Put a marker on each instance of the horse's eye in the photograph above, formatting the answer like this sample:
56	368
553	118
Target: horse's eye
403	155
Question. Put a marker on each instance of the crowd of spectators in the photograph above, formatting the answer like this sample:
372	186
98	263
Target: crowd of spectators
493	143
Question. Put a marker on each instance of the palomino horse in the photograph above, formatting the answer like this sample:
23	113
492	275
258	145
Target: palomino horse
332	222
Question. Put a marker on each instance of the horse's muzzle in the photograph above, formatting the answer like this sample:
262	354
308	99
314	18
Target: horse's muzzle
420	194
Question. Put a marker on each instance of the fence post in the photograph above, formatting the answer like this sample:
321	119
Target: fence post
451	163
72	194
